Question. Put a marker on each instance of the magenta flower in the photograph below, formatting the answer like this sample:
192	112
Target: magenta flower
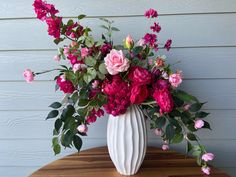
150	39
54	25
168	44
156	27
151	13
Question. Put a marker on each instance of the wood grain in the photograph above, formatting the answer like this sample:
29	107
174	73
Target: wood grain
121	7
96	162
197	30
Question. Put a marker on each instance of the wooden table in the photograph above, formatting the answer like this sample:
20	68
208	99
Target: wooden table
96	163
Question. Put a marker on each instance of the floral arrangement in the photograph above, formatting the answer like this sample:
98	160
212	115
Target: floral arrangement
104	76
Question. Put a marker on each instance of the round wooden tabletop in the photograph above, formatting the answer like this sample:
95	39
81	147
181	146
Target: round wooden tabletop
97	163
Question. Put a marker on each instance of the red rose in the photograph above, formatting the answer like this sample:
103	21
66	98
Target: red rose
138	94
65	85
140	76
164	100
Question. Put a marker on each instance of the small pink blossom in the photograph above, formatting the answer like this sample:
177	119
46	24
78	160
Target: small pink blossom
165	147
57	58
84	52
156	27
82	128
186	107
116	62
78	67
168	44
151	13
129	42
73	44
158	131
141	42
198	124
208	157
165	75
175	79
206	170
95	84
28	75
66	50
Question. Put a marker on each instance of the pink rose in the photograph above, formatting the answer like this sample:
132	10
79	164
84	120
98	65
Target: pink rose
208	157
175	79
158	131
198	124
84	52
57	58
164	100
82	128
129	42
140	76
151	13
95	84
65	85
138	94
165	147
28	75
116	62
66	50
206	170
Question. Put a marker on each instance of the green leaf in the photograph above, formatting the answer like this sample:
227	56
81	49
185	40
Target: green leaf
185	96
104	19
101	76
58	124
114	29
191	137
77	141
136	50
195	107
100	42
52	114
57	41
177	138
57	149
89	41
160	122
90	61
55	105
67	112
55	141
102	68
170	132
55	132
68	138
90	75
189	146
178	102
105	27
83	102
201	114
206	125
81	16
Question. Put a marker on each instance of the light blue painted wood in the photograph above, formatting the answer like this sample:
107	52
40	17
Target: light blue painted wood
120	7
191	30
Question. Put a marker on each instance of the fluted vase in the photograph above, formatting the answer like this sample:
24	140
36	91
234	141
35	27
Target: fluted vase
127	140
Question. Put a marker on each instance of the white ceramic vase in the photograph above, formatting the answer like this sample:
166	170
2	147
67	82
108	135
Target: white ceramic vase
127	140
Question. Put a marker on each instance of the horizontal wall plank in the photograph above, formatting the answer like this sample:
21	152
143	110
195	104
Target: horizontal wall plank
17	171
29	125
121	7
230	171
39	153
190	31
42	94
193	60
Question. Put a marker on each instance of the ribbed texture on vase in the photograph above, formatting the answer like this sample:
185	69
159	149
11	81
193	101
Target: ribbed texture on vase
127	140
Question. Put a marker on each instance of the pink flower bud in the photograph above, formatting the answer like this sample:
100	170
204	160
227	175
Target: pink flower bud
129	42
66	50
158	131
82	128
208	157
206	170
141	42
28	75
57	58
95	84
78	67
186	107
165	147
198	124
84	52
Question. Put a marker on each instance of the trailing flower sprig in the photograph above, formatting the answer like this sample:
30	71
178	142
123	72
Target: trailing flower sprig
103	76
